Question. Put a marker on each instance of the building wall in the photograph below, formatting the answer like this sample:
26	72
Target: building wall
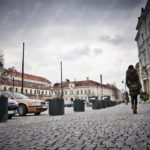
84	92
73	90
143	44
33	88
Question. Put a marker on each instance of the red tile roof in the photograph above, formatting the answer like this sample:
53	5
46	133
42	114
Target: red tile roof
26	76
8	82
78	83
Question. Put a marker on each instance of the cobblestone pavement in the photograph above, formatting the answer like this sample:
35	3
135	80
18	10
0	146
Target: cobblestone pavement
114	128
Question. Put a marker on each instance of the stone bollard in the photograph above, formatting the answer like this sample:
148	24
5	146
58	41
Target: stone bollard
3	109
78	105
56	106
96	104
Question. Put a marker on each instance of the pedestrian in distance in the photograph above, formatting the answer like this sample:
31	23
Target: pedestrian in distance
134	85
126	98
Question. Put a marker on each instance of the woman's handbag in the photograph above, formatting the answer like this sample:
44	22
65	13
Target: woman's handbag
134	86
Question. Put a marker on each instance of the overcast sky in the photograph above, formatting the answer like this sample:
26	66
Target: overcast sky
90	37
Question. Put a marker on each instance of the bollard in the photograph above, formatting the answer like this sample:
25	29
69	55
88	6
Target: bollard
3	109
103	104
78	105
107	102
56	107
96	104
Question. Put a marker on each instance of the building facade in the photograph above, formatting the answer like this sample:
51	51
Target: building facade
85	90
40	88
34	86
143	44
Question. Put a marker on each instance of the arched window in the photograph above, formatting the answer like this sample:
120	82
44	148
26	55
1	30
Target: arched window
42	92
5	88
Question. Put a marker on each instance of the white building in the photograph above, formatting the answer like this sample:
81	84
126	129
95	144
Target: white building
85	89
143	44
34	86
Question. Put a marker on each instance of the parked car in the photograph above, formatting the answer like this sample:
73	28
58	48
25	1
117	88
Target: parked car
68	104
12	108
26	105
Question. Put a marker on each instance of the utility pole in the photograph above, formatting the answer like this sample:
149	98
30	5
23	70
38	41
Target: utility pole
61	80
13	83
101	81
23	69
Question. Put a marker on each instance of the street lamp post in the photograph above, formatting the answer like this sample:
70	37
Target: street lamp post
61	80
101	81
13	83
23	69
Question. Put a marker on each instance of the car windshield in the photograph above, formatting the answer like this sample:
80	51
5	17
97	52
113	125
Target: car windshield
19	95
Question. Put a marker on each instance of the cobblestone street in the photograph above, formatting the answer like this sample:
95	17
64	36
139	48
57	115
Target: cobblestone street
110	128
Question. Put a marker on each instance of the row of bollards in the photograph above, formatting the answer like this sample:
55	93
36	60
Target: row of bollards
56	106
98	104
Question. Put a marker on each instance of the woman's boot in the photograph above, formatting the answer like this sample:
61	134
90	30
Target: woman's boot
134	108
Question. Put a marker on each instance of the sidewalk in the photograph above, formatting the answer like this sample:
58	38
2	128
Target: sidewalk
114	128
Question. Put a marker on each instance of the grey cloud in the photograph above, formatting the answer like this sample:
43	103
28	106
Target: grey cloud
79	52
97	51
37	12
117	39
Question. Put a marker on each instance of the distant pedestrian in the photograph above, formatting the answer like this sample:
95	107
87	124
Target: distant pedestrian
134	85
126	97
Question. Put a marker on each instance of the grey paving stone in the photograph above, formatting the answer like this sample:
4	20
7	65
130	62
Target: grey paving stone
110	128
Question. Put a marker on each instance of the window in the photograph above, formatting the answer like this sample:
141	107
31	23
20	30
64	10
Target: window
42	92
149	27
5	88
85	91
77	91
65	92
142	37
34	91
144	58
81	91
59	92
71	92
30	91
26	91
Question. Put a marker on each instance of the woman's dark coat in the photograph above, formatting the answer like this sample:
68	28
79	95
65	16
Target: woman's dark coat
132	78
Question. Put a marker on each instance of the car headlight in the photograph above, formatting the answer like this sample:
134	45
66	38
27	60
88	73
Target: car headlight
36	103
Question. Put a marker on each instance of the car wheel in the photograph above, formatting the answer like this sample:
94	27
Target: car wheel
37	113
22	110
9	116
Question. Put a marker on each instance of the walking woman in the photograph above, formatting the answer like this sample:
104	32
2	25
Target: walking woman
134	85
